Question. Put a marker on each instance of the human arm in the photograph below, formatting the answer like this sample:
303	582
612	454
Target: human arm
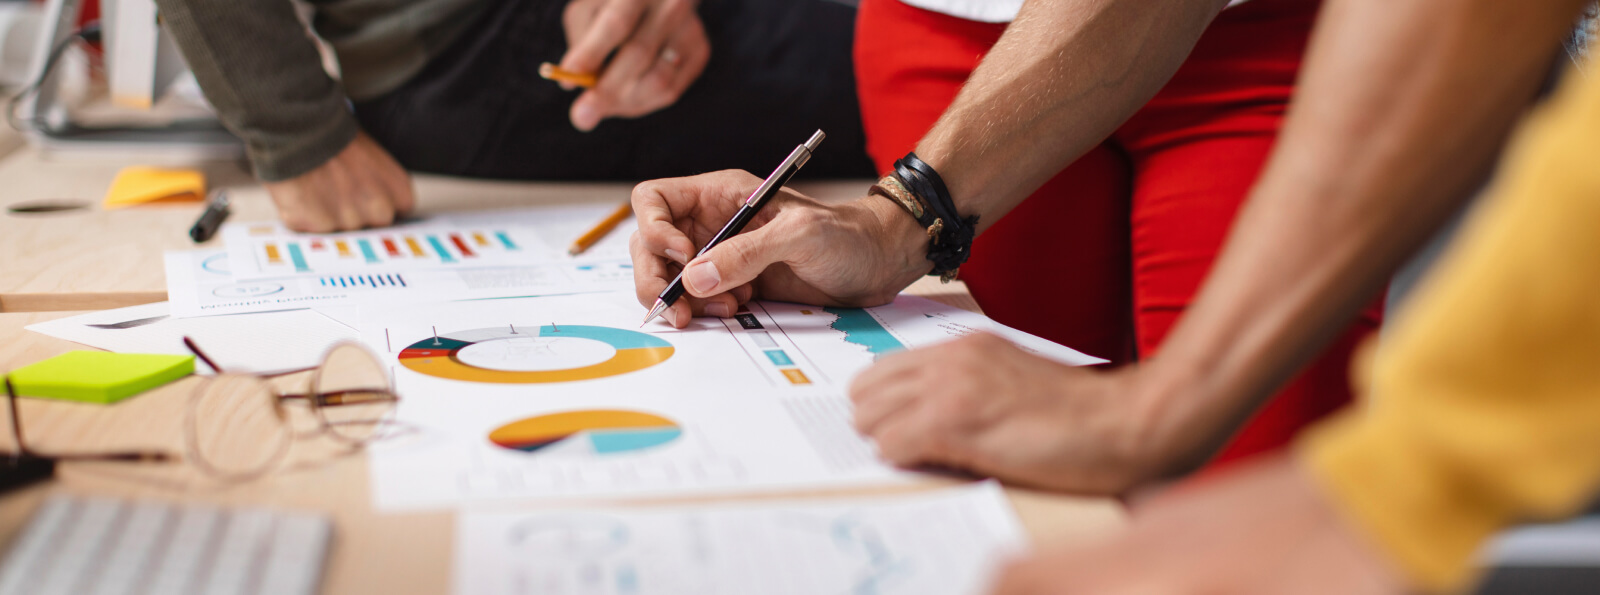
1262	529
1399	114
1106	58
265	79
1485	407
1063	77
1399	110
1484	411
657	48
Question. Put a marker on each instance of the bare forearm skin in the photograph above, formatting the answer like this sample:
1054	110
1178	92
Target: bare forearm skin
1399	114
1064	75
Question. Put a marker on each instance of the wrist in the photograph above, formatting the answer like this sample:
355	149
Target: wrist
1161	438
902	243
1184	413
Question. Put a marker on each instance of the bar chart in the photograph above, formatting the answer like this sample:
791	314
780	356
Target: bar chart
388	251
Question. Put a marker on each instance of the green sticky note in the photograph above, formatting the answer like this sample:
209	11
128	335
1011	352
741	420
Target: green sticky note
99	376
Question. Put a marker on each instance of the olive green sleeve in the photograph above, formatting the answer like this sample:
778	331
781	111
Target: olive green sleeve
259	68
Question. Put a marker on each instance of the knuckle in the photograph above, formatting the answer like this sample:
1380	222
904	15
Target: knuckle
644	192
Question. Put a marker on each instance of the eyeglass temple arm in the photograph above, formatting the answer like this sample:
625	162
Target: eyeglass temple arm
23	450
336	397
195	349
16	423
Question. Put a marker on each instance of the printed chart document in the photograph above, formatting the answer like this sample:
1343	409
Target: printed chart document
502	238
566	396
266	342
201	283
943	542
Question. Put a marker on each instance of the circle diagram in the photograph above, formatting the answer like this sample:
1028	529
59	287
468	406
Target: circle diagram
512	355
246	290
594	431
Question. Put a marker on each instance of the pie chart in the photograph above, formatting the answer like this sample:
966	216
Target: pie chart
533	355
591	431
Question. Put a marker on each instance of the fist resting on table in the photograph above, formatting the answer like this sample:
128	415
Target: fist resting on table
360	187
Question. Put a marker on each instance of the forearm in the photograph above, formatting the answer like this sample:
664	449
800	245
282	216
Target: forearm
264	77
1063	77
1486	396
1399	114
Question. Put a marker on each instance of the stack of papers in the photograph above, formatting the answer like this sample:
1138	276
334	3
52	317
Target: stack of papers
524	377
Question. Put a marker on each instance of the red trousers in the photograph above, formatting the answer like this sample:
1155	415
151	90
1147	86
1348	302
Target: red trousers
1105	257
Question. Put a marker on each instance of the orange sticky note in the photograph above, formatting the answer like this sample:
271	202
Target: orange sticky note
146	185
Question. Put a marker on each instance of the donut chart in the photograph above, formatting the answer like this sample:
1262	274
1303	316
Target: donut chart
597	431
548	352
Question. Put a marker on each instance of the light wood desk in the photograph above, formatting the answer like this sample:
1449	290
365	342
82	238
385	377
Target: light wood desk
94	259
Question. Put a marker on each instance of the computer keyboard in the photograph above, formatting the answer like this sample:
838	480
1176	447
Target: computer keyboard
96	546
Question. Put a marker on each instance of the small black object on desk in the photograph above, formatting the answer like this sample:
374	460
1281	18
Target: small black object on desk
21	470
211	219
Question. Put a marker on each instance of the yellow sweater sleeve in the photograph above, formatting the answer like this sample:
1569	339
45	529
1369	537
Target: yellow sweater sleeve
1484	406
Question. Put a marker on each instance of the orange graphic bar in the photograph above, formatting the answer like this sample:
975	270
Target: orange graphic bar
795	376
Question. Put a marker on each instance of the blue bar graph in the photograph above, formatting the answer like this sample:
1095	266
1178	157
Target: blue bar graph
358	281
444	255
298	257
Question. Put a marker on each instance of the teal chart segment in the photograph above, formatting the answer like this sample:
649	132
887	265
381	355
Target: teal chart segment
860	328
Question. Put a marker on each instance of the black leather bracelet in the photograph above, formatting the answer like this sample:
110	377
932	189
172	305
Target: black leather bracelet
952	233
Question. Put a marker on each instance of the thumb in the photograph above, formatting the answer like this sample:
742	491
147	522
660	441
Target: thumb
734	262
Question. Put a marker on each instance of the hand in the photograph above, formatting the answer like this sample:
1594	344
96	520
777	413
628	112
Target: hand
982	404
360	187
796	249
660	46
1261	530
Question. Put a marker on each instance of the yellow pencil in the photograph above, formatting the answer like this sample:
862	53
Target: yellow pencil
600	229
555	73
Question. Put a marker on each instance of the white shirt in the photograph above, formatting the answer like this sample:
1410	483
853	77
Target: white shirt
986	11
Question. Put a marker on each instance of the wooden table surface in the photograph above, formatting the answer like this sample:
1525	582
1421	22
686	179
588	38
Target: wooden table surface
92	259
58	265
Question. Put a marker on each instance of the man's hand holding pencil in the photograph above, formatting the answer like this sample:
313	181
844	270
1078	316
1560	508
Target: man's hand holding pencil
657	48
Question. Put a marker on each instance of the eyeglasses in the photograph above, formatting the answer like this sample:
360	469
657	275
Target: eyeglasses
237	427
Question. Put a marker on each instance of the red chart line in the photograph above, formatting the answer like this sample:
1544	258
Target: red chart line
460	245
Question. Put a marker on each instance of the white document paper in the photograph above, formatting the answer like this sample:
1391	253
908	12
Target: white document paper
566	397
489	392
266	342
474	240
201	283
944	542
